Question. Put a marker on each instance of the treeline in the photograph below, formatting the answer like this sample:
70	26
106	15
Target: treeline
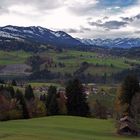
73	100
127	107
15	45
24	104
121	75
16	105
133	52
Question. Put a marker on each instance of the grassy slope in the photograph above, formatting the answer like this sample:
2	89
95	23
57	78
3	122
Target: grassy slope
75	58
13	57
72	61
60	128
35	84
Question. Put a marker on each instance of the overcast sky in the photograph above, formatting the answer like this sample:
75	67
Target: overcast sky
80	18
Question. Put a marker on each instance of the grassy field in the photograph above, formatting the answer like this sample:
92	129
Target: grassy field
13	57
37	84
60	128
72	60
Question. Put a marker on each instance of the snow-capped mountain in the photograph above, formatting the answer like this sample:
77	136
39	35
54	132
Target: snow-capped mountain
38	35
118	42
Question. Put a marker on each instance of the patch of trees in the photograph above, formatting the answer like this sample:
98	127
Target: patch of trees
35	62
98	110
14	45
44	75
82	68
121	52
16	105
121	75
89	78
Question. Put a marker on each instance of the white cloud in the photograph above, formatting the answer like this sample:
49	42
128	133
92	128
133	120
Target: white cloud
71	15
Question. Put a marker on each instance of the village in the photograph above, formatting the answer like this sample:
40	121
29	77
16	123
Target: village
88	89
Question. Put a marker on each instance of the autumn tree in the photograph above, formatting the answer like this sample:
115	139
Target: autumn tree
126	92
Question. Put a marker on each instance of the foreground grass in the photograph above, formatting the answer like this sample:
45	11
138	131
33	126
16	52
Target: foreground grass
60	128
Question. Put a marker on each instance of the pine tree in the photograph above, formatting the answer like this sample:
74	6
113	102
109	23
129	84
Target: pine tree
14	83
130	86
12	91
76	99
29	94
19	96
52	104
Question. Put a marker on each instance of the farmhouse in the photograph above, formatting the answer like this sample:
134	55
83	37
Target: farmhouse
127	126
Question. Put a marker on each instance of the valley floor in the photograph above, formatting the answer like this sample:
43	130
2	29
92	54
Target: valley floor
60	128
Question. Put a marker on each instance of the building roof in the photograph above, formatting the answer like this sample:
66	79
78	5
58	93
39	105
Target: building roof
126	118
129	125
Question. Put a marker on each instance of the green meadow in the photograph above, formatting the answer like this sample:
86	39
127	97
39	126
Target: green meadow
13	57
60	128
72	60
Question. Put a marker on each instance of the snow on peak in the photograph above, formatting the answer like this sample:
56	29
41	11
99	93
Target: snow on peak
10	28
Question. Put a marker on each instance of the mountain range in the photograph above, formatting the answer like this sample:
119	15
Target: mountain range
113	43
38	35
45	36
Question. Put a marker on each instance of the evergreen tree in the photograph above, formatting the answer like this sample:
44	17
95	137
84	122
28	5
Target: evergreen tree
2	81
1	87
19	96
29	94
14	83
52	104
128	89
76	99
12	91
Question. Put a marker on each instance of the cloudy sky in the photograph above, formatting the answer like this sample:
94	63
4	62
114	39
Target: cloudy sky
80	18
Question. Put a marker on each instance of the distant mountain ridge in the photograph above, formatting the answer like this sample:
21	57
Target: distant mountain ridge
118	42
44	36
39	35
